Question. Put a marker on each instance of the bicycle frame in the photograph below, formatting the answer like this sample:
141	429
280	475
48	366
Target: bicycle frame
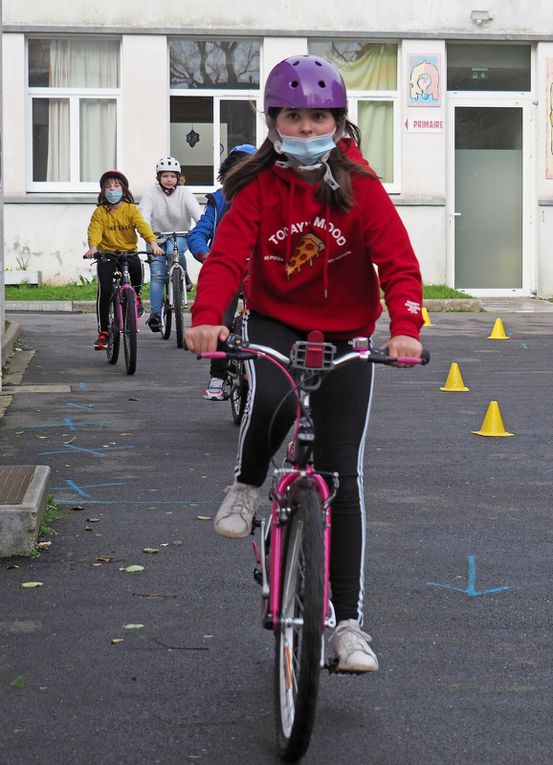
173	264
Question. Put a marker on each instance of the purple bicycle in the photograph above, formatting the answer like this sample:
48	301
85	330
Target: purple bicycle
293	554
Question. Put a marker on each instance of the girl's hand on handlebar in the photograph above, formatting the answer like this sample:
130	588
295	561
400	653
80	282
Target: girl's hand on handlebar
205	337
156	250
403	345
91	252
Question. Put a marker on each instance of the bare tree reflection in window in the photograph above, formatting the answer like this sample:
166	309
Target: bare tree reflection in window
231	64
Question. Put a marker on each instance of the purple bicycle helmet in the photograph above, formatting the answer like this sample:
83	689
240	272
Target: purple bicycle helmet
305	82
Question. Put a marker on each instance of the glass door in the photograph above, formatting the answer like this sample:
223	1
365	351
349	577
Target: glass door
488	197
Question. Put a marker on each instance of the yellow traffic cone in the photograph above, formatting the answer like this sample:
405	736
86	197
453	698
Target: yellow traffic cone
426	318
493	424
498	333
454	380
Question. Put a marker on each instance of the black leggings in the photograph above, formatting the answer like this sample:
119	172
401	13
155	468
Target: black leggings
340	411
106	270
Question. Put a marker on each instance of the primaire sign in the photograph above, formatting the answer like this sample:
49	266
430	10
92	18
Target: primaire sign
425	124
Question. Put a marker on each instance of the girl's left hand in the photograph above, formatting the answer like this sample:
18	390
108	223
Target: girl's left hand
156	249
403	345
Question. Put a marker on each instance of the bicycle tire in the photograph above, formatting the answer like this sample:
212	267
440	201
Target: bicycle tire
166	315
298	647
129	331
238	390
114	334
178	306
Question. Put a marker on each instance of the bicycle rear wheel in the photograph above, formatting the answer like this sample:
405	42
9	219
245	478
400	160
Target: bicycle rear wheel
129	331
238	390
299	633
178	306
114	335
166	314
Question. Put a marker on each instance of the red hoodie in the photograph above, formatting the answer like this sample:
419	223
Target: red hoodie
312	267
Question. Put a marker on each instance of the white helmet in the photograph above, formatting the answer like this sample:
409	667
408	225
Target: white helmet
168	165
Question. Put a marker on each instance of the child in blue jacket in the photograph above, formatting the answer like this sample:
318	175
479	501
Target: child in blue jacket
199	242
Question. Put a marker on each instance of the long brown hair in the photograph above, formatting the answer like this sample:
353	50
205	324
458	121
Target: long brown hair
342	168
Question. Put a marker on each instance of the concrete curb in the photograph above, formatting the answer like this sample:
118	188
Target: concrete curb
9	338
89	306
20	521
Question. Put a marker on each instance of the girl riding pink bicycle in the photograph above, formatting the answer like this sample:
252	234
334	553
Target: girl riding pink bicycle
314	221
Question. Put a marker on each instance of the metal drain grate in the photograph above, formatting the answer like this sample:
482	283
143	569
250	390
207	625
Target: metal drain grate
14	482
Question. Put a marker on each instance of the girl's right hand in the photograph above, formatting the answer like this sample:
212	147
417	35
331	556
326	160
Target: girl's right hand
205	337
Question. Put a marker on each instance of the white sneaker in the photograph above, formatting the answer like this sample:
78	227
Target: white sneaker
234	517
215	391
351	648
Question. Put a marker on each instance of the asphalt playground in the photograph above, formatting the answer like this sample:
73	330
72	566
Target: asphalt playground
169	664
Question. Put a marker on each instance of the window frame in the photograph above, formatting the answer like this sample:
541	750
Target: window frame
391	96
218	95
75	96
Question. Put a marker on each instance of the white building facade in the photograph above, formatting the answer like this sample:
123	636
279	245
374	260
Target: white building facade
454	101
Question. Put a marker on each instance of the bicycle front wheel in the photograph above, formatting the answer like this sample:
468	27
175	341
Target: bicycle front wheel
178	305
129	331
166	314
300	629
114	336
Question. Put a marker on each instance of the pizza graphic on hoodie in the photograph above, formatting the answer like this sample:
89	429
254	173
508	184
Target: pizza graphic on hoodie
305	252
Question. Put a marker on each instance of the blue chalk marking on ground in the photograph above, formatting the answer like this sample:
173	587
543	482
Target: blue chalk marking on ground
81	489
470	589
189	503
96	452
82	386
68	424
82	406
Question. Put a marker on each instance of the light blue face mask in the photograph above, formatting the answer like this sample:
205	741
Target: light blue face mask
307	151
113	196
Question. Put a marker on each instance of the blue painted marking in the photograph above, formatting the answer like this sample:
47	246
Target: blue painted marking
525	346
195	503
81	489
69	424
82	386
80	406
96	452
470	590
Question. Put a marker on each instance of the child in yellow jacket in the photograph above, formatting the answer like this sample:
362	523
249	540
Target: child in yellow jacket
113	227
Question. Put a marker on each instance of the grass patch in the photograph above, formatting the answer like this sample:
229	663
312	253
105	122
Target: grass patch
442	292
72	291
51	514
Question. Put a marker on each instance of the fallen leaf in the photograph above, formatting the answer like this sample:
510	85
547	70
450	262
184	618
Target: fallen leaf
132	569
42	437
104	558
89	528
19	432
43	545
19	682
114	641
151	550
203	517
12	565
97	565
30	585
132	626
93	520
77	507
70	440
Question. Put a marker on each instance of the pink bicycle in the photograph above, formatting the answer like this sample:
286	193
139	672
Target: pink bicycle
293	554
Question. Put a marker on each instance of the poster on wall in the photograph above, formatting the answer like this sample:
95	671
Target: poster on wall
549	123
424	79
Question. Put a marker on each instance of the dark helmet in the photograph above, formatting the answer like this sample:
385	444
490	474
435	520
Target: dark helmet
114	174
305	82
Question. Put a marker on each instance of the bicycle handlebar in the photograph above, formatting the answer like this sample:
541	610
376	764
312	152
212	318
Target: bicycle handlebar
114	255
171	233
315	355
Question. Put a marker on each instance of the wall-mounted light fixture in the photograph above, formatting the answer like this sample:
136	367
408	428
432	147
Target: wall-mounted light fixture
481	17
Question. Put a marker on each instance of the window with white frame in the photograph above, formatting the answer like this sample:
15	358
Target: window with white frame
74	102
370	71
214	98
